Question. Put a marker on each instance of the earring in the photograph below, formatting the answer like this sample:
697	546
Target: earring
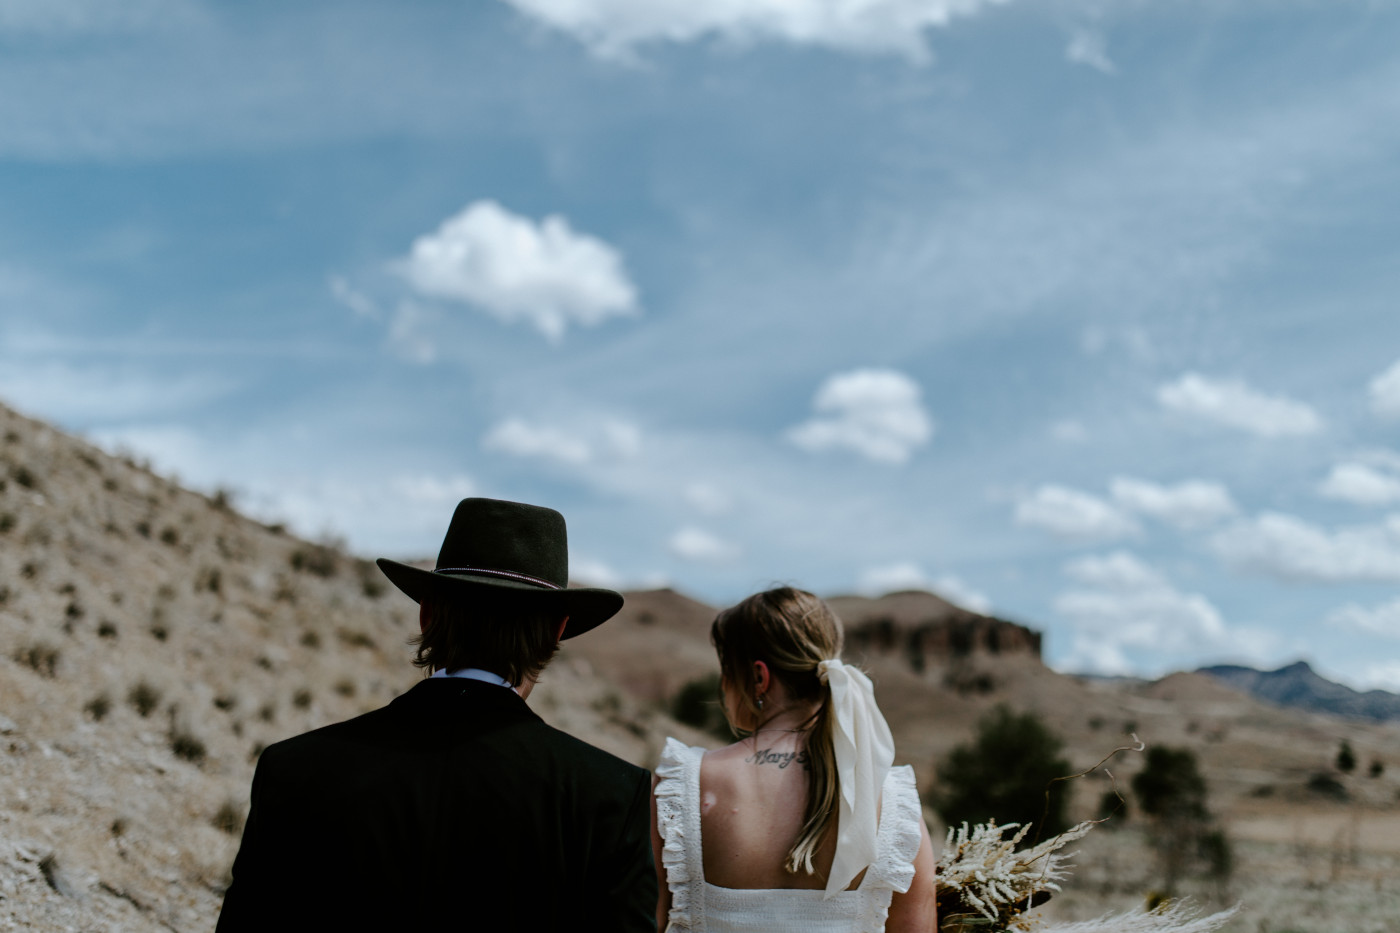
759	702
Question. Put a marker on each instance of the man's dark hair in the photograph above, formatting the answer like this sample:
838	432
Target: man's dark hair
495	635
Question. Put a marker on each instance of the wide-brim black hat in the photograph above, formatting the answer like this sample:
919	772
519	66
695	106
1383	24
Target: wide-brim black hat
507	550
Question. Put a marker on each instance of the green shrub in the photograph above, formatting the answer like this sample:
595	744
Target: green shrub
228	818
185	744
1004	774
41	658
143	697
698	704
98	706
1346	758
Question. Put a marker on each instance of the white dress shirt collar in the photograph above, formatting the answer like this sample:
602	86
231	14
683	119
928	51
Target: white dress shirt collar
476	673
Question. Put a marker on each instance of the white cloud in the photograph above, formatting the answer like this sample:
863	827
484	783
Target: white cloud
908	575
1190	504
1233	403
1123	605
613	28
1378	620
1361	484
1287	547
878	413
433	490
543	273
1382	676
68	392
1069	431
1069	513
355	300
594	572
1089	47
708	499
696	544
576	445
1385	392
411	332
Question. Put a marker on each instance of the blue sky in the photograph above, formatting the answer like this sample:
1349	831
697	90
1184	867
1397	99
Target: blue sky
1079	310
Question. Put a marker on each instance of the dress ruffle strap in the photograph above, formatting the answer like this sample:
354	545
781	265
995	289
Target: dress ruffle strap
678	822
901	818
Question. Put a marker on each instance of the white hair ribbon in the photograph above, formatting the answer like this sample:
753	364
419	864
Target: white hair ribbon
864	753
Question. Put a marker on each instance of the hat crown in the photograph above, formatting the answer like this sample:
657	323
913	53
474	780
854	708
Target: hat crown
494	534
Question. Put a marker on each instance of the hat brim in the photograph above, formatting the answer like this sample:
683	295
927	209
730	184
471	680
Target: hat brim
587	607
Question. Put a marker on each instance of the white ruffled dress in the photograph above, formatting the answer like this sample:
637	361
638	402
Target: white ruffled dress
700	907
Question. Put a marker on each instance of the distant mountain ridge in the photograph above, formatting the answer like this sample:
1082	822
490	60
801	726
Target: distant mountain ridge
1300	687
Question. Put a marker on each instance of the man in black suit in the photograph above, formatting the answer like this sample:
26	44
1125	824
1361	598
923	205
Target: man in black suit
455	805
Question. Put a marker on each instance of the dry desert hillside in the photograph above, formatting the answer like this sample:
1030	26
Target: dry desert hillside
153	640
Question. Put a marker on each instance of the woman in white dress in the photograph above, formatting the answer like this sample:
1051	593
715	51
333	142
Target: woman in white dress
803	824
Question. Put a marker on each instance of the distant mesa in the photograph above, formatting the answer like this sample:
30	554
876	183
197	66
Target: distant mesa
929	630
1300	687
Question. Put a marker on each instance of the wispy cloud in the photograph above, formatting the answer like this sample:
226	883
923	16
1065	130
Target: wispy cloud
1123	605
1381	620
701	546
1070	513
1287	547
545	274
1235	404
614	28
909	575
1090	47
577	444
1361	484
1385	392
1189	504
877	413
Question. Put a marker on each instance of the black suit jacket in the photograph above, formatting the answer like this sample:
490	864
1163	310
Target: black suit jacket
455	804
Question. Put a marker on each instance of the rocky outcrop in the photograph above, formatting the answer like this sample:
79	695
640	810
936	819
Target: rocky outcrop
929	630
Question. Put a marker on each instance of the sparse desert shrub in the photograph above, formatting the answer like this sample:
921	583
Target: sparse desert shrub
98	706
143	697
345	687
1346	758
302	698
118	827
697	704
314	559
1325	785
1171	790
143	528
7	521
228	818
310	639
185	744
1113	808
29	571
1376	770
267	712
74	611
169	535
264	662
210	579
277	528
39	657
1003	775
106	629
159	631
225	702
4	595
222	499
371	588
355	639
256	751
25	477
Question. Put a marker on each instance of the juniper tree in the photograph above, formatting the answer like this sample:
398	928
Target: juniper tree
1003	774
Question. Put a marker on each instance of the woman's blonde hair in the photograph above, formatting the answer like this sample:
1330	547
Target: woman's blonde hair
791	631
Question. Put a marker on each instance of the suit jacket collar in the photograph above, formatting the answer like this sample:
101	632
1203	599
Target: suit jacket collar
447	696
